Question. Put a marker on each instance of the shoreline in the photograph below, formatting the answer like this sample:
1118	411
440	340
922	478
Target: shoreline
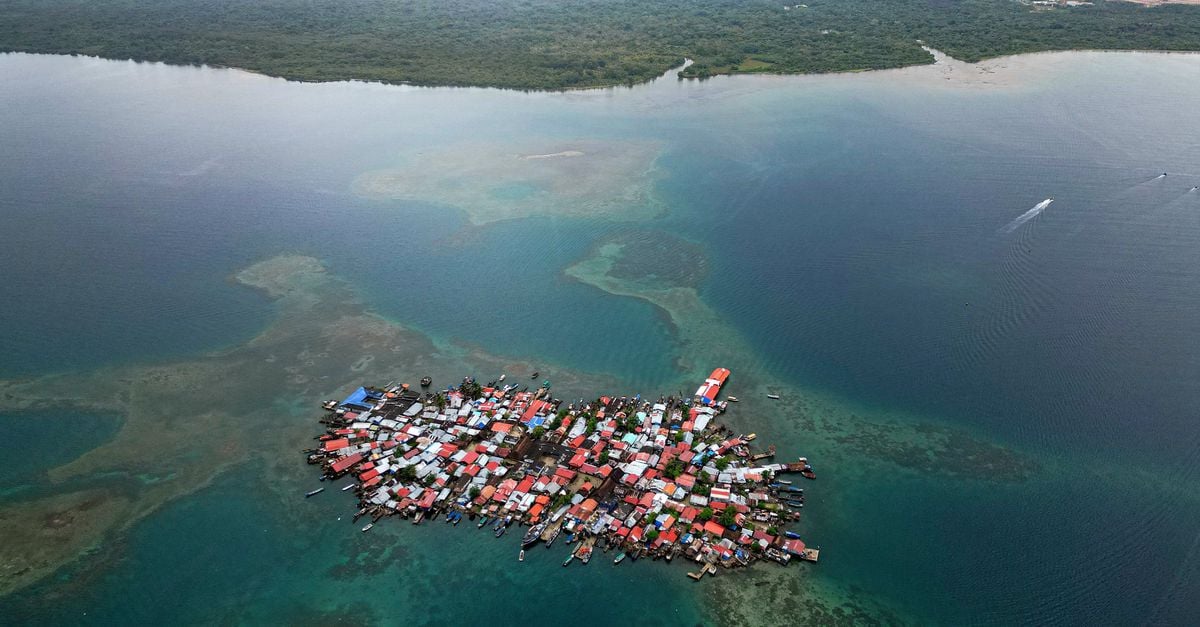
936	62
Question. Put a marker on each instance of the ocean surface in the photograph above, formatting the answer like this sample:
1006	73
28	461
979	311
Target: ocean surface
872	240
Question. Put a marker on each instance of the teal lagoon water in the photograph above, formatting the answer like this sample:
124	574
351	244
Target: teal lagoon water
855	228
57	438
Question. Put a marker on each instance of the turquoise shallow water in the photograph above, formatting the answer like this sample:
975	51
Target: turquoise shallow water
226	556
855	233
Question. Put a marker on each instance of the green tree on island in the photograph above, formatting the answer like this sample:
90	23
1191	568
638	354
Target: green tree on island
674	469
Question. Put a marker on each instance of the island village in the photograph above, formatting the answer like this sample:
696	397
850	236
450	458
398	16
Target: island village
637	478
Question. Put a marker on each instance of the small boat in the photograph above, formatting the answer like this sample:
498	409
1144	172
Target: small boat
568	560
796	504
619	558
501	379
751	437
784	482
426	381
368	527
732	399
521	556
808	473
534	375
553	536
585	554
419	518
482	521
570	538
792	534
500	531
533	535
449	516
773	396
457	519
349	487
317	491
498	524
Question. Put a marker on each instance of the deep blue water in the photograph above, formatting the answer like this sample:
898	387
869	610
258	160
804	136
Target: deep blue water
855	232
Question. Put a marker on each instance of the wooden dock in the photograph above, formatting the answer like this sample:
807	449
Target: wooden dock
770	452
810	555
708	569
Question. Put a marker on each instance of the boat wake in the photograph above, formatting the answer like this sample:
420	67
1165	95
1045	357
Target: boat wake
1027	216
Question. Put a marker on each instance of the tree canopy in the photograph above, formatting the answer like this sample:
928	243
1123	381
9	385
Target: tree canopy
555	44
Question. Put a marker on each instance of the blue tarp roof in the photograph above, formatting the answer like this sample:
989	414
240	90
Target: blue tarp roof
357	397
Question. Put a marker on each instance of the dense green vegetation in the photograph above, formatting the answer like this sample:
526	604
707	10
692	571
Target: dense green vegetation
550	44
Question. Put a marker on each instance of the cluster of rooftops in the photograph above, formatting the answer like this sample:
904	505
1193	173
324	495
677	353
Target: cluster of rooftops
658	478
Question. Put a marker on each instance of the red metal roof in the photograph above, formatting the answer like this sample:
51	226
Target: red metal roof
345	462
533	409
333	445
